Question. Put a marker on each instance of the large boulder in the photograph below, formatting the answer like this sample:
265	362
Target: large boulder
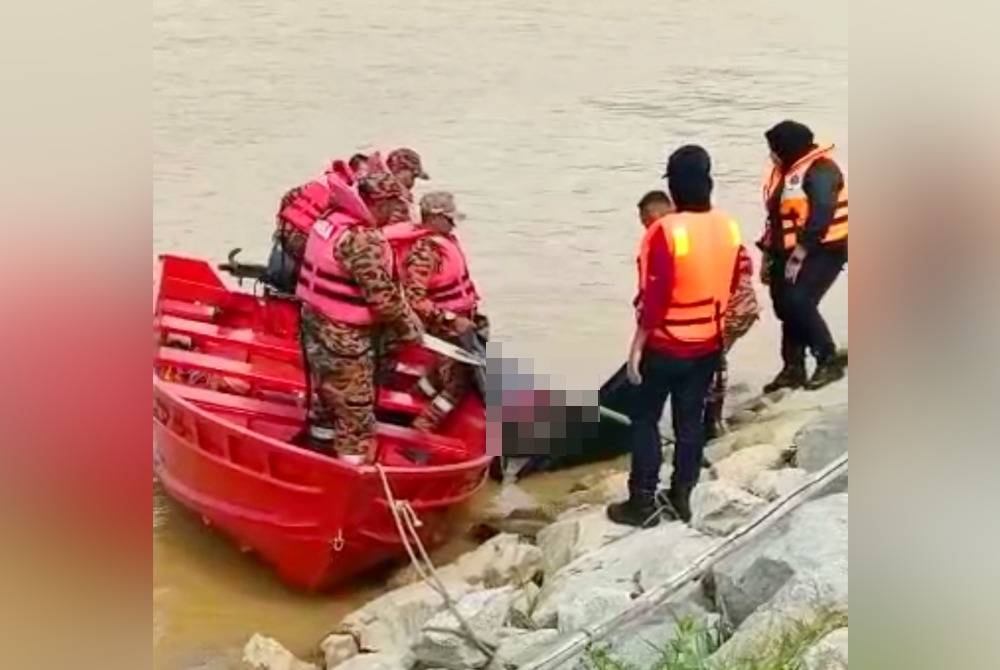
513	510
631	564
575	533
807	606
391	622
517	647
744	466
501	560
809	545
265	653
590	607
773	484
338	648
830	653
719	508
444	642
640	645
821	442
378	661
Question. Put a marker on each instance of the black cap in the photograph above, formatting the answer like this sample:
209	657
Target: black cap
690	159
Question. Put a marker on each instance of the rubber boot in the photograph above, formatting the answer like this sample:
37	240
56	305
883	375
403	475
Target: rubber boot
791	377
639	510
827	372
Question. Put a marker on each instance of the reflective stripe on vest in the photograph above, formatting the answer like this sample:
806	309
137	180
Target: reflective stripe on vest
704	247
451	287
794	206
324	283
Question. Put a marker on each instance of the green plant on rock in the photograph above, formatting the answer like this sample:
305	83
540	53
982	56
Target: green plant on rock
694	643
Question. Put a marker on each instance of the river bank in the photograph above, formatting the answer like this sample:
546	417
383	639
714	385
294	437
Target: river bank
557	566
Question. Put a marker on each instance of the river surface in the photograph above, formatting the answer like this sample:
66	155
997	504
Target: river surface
548	120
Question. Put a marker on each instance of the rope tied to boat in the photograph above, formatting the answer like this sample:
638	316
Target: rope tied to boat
407	523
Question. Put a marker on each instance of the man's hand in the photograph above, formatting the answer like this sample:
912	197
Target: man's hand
409	330
462	325
632	368
794	264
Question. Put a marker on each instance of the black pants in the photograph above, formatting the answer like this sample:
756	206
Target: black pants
797	306
685	381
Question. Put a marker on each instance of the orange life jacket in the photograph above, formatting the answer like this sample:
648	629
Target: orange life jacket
324	283
794	206
451	287
703	246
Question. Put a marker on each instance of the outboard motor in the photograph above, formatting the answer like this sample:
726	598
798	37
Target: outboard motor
276	274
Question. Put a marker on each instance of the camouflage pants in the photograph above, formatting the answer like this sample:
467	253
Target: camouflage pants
341	368
450	380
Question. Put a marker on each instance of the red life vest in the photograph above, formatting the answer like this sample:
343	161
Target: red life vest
332	190
451	288
324	283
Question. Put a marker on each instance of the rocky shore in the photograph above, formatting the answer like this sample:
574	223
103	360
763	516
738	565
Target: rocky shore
552	569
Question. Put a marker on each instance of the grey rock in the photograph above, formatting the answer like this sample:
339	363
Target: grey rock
809	545
575	533
806	602
743	466
517	647
590	607
378	661
830	653
637	561
719	508
523	604
821	442
640	645
773	484
337	648
443	641
391	622
265	653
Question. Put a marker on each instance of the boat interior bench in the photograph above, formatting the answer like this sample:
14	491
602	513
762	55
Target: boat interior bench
198	331
284	377
398	445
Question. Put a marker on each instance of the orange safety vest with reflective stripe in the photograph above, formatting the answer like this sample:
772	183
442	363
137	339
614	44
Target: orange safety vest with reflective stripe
703	247
794	206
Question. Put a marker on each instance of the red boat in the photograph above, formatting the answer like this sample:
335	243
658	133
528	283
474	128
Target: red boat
229	395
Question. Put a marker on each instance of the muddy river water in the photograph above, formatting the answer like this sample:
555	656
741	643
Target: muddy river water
547	120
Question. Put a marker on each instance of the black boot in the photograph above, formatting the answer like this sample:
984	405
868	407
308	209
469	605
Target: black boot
791	377
676	502
826	372
639	511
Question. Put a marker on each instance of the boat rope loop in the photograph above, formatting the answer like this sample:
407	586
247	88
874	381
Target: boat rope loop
407	523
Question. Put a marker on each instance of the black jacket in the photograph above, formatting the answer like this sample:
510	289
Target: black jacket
822	184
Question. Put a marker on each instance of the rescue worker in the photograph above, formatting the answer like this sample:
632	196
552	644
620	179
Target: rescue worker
687	263
300	207
348	294
406	166
805	249
740	315
436	282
